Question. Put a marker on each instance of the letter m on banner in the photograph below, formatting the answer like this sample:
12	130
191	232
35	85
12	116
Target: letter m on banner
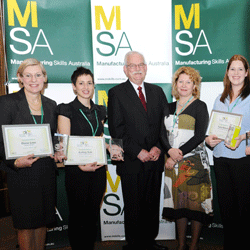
31	8
193	14
114	186
99	13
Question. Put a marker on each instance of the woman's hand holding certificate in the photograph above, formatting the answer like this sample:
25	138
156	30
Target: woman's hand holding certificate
238	139
221	122
212	140
25	161
224	126
24	140
91	167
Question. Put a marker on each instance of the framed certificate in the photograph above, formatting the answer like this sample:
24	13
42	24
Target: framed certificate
22	140
86	149
220	122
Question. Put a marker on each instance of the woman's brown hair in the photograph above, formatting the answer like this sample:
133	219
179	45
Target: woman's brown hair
245	90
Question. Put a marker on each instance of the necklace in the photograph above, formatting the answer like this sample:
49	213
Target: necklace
35	105
42	113
34	109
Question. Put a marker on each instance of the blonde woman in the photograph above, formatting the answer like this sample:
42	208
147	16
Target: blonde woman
187	180
31	181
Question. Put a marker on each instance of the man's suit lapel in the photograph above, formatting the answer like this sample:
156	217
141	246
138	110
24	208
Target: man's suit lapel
150	99
134	98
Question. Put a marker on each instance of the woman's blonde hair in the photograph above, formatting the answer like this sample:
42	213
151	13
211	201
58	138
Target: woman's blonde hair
195	77
30	62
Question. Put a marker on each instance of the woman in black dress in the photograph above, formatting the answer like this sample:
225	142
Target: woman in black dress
187	194
85	184
31	181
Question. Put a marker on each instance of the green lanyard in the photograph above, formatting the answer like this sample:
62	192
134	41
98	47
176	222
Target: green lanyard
230	110
34	119
175	117
97	123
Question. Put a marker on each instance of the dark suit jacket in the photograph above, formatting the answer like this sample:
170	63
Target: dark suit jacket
14	109
137	128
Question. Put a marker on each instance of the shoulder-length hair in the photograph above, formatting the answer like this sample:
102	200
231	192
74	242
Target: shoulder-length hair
194	76
245	90
30	62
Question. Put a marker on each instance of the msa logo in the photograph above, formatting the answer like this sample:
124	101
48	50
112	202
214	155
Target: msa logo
108	47
30	12
193	16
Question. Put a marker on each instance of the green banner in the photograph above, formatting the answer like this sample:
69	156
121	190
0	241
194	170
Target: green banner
207	33
58	33
58	235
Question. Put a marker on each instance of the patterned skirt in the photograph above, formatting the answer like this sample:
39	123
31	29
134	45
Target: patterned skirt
188	191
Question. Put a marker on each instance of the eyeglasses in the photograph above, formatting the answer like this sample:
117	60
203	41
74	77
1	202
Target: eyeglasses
37	76
133	66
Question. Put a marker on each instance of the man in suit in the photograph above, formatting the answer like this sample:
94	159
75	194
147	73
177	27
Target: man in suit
135	116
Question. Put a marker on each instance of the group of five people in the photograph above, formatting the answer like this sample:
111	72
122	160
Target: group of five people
150	127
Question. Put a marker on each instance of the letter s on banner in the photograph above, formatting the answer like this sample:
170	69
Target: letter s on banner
184	42
13	37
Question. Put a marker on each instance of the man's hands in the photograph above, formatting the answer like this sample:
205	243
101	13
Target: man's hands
153	155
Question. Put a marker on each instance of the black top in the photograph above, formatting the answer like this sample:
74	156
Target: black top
32	190
198	110
14	109
79	124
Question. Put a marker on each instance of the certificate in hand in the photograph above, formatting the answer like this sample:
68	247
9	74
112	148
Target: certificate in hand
86	149
22	140
220	122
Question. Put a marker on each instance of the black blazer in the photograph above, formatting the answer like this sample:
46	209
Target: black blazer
14	109
138	129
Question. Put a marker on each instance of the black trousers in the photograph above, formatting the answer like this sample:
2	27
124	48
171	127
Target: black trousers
85	191
141	195
233	186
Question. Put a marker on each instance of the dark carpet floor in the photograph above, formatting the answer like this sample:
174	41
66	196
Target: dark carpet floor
8	240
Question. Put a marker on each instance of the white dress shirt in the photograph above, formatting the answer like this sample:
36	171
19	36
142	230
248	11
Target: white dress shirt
137	91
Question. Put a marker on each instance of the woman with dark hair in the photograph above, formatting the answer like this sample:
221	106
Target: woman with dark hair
187	194
85	184
231	165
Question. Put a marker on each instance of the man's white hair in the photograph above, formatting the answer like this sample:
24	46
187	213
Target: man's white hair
132	53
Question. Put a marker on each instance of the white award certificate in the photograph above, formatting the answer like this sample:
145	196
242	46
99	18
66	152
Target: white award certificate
21	140
220	122
86	149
